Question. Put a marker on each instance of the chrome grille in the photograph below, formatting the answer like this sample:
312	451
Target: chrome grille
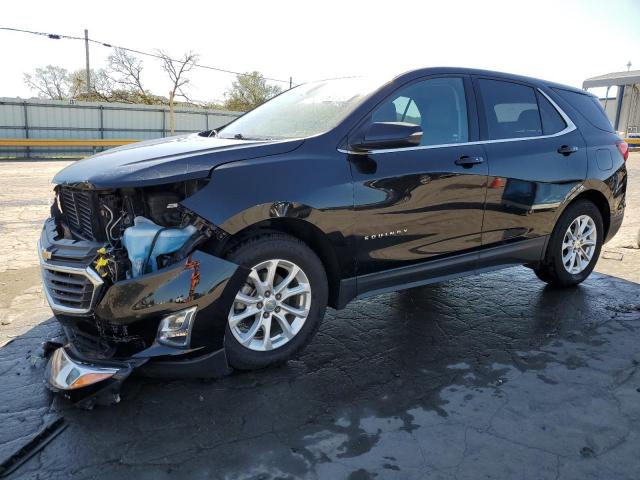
70	289
77	208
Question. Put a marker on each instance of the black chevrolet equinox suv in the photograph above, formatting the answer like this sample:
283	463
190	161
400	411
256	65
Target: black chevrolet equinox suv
189	255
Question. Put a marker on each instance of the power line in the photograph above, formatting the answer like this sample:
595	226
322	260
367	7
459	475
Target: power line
56	36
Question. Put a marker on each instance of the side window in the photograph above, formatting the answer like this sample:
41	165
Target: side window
511	110
552	121
438	105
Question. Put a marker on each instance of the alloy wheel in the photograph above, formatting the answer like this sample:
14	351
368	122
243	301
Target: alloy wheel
579	244
272	306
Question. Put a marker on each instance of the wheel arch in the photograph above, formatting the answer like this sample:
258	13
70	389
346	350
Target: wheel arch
599	200
304	231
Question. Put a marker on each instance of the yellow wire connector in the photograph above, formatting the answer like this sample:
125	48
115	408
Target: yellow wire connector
101	262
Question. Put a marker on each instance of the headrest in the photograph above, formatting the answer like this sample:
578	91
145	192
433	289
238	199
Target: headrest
529	120
385	113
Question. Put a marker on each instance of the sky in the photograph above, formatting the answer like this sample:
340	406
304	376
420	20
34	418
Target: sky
562	41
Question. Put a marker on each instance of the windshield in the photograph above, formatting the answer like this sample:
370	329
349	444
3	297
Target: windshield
303	111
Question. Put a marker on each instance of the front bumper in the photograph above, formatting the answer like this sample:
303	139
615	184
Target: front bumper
115	326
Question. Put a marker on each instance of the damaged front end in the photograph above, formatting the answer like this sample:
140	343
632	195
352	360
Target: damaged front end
127	274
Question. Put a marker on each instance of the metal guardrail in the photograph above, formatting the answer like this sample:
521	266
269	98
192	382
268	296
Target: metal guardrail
50	128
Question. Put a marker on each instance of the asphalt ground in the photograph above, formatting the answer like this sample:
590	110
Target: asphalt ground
492	376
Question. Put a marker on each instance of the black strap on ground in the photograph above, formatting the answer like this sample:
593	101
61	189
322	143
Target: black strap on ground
37	443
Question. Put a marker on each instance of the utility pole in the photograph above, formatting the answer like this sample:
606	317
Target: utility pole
86	48
290	83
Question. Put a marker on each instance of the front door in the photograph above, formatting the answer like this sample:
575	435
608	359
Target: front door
421	203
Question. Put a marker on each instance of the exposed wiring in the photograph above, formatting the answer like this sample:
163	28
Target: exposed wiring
114	272
106	228
112	227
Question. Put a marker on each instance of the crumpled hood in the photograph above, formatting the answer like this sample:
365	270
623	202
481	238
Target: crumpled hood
165	160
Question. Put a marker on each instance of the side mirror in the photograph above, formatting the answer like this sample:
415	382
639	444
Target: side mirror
389	135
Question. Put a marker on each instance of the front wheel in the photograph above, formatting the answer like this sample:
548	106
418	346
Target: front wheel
280	307
574	246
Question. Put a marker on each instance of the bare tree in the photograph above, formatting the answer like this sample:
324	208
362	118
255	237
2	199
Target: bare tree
103	88
121	81
50	82
126	71
177	71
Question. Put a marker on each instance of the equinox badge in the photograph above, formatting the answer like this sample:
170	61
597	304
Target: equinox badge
385	234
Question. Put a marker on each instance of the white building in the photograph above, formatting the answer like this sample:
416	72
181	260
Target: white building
619	93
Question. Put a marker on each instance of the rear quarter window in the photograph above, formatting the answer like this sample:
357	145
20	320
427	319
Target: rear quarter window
552	121
589	107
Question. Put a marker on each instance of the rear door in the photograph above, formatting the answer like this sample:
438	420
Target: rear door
419	203
535	154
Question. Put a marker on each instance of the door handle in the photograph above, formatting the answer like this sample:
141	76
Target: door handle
567	150
468	162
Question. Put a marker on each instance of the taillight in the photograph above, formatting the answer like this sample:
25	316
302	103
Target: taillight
623	147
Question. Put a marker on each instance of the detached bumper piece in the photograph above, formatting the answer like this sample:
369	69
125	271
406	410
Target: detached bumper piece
65	374
85	383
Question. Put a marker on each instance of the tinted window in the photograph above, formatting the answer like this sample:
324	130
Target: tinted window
552	121
438	105
511	110
589	107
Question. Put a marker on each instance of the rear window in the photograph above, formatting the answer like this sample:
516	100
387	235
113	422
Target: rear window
589	107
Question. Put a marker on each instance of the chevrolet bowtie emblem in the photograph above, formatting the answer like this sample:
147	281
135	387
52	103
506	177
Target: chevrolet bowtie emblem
46	254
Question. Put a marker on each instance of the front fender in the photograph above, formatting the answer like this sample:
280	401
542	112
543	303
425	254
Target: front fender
268	211
243	193
315	190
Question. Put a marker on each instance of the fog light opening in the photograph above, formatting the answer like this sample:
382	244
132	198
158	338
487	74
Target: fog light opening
175	329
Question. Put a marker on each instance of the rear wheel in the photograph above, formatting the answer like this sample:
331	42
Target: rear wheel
280	307
574	246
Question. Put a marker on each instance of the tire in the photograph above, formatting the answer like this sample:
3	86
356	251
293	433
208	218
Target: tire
554	269
284	252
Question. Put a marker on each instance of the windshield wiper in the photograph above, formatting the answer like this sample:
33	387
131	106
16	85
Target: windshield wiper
239	136
208	133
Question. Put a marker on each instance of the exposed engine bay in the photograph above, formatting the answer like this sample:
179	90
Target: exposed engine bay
142	229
